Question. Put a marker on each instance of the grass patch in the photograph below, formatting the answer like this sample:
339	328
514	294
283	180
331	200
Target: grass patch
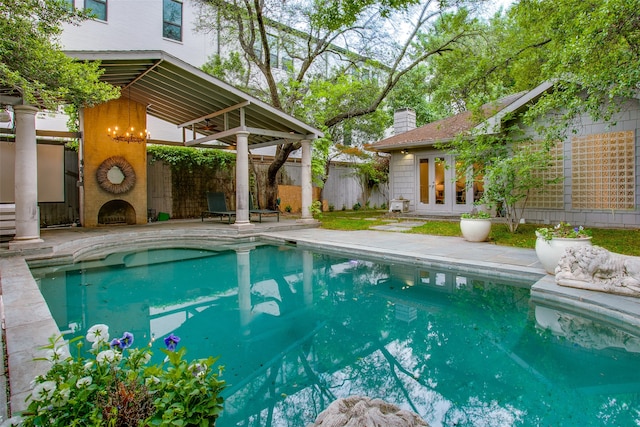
438	228
352	220
622	241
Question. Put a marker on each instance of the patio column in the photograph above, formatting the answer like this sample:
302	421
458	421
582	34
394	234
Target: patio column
242	181
307	189
26	177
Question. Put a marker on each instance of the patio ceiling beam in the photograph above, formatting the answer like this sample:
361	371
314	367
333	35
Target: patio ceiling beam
282	137
215	114
277	134
144	73
215	136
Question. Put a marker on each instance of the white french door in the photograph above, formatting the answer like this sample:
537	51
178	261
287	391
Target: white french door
440	189
433	183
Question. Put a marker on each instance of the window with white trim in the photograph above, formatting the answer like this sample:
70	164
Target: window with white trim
98	9
172	19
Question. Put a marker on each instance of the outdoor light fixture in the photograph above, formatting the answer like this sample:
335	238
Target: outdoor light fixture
404	151
5	116
130	135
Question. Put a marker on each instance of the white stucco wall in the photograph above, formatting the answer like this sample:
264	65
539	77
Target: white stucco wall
137	25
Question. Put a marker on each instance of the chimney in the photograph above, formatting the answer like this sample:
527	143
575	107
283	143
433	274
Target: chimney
404	120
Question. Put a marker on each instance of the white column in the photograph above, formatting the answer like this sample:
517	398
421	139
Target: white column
26	176
305	178
242	181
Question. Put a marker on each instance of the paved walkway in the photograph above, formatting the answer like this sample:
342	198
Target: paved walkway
28	323
452	251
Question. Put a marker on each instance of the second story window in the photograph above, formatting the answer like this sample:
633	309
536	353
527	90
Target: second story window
172	19
98	8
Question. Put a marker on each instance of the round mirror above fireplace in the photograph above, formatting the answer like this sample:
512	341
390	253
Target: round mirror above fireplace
115	175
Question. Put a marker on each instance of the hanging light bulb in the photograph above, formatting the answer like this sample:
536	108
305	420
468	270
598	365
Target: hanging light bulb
130	135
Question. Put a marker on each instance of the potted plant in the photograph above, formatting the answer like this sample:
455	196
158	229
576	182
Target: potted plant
551	243
475	225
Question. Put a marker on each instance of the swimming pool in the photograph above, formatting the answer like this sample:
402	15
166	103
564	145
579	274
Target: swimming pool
296	330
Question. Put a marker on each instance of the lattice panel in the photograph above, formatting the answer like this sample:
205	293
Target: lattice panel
551	196
603	171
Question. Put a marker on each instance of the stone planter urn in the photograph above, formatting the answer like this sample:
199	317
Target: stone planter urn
475	229
550	251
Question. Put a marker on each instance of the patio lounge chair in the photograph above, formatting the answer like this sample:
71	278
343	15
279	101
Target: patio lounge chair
261	212
217	205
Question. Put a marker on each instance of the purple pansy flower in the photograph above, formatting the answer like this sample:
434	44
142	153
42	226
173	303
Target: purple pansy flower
126	340
171	342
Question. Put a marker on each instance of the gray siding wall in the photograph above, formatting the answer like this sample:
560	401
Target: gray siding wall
627	119
403	179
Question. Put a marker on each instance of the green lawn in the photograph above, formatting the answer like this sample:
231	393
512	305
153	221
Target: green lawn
625	241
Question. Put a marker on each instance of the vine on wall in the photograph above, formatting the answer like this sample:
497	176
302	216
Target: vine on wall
189	158
195	171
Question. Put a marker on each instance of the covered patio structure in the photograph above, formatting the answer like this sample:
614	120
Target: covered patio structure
210	113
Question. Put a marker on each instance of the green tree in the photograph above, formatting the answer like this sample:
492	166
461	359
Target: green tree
388	38
510	167
590	49
33	68
413	90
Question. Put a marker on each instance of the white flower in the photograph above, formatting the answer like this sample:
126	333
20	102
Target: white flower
43	391
55	355
98	333
87	366
84	382
63	397
108	356
198	370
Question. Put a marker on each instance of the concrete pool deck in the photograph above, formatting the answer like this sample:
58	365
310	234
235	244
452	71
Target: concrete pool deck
28	324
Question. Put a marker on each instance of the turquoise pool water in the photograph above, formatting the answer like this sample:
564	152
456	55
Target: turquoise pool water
297	330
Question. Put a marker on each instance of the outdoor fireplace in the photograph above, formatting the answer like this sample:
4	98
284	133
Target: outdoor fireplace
117	212
114	187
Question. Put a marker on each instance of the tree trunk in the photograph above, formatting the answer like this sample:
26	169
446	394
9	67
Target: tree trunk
271	188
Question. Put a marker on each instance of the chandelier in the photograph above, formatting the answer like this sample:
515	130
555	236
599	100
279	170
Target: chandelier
129	135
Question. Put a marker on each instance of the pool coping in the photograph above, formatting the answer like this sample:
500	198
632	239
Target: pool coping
28	322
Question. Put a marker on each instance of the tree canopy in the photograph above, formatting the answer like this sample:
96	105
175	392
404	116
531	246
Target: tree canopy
33	67
333	64
589	48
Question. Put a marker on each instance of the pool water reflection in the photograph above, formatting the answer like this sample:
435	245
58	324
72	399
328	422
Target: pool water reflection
296	330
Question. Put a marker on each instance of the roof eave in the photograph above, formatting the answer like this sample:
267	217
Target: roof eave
493	124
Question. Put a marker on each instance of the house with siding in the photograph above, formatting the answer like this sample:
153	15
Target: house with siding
597	160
